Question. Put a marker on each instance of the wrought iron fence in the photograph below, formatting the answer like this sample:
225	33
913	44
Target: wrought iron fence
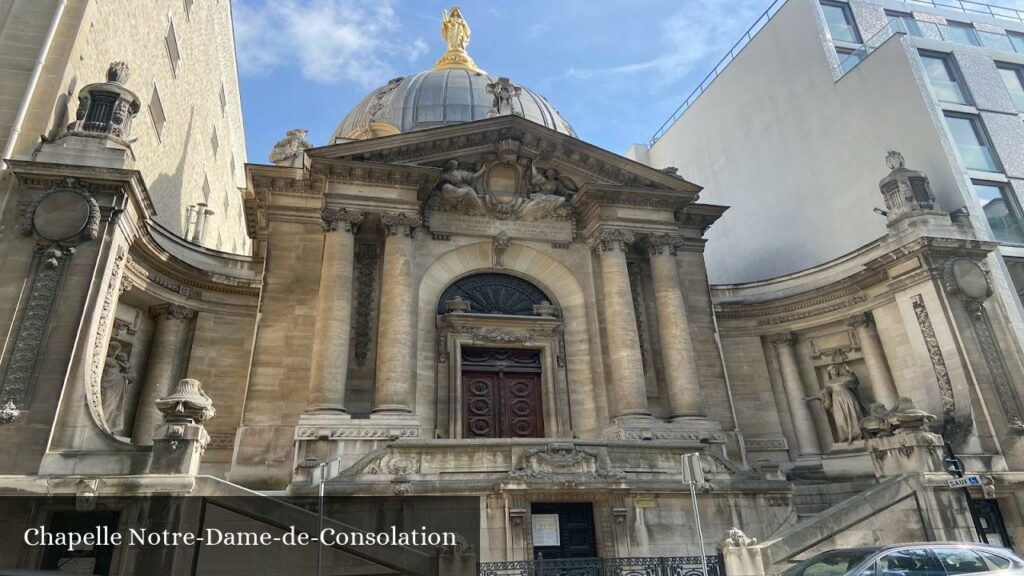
647	566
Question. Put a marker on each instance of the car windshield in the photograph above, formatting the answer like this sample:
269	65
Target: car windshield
832	563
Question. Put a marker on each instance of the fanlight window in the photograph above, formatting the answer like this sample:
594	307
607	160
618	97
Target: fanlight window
492	293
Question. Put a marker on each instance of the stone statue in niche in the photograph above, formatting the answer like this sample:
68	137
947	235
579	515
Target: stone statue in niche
114	387
839	398
458	189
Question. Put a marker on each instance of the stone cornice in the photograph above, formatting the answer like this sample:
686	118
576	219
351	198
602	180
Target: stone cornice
700	217
849	292
95	180
442	143
593	195
364	172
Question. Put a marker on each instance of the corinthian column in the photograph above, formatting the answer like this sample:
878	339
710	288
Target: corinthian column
163	367
882	386
624	354
681	376
803	422
333	314
396	331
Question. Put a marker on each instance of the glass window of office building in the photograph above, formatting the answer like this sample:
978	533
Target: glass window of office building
1002	212
944	78
1013	77
971	140
840	21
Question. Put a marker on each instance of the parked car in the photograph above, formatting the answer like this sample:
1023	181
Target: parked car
915	559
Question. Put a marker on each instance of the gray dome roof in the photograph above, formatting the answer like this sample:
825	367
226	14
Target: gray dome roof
438	98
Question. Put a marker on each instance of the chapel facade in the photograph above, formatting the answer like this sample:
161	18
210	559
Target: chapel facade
457	314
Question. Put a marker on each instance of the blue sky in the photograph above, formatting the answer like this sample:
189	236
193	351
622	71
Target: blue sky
615	70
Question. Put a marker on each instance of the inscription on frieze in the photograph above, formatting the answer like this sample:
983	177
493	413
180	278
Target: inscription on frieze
455	223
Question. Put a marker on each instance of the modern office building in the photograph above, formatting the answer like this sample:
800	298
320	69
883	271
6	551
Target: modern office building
812	99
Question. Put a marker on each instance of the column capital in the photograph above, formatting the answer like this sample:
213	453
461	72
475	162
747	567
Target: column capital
612	239
783	338
859	320
658	244
348	221
171	312
400	223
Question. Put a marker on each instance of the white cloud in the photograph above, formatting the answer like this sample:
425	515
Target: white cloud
329	41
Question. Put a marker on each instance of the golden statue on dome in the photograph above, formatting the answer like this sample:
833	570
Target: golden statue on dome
455	32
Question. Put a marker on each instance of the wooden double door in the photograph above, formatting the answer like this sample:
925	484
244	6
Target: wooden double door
501	392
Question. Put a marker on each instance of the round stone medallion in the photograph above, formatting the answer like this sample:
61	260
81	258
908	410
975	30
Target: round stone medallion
968	279
61	215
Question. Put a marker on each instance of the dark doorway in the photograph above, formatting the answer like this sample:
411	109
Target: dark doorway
83	559
501	391
991	520
575	530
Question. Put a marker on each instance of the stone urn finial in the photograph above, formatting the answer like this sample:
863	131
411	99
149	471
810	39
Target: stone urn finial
117	73
894	160
187	403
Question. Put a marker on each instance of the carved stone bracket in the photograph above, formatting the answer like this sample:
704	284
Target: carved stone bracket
500	244
400	223
348	221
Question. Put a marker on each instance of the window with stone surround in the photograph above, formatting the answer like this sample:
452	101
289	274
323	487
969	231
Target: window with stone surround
156	112
171	40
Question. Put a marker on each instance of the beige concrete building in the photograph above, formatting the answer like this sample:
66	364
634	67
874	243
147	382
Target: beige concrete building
190	150
459	316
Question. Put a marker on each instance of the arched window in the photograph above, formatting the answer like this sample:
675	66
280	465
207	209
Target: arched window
492	293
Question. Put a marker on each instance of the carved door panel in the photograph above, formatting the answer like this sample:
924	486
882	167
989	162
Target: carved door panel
480	410
521	406
502	405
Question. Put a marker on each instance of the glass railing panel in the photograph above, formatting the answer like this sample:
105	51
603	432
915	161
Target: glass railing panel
851	60
929	30
965	36
997	41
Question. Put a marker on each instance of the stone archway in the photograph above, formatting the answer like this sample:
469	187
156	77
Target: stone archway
539	268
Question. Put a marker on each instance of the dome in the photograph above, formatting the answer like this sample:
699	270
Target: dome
454	91
439	98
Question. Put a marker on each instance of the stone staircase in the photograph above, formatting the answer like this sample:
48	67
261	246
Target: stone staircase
810	499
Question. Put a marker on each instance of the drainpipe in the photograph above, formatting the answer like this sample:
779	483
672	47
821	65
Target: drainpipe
30	91
728	386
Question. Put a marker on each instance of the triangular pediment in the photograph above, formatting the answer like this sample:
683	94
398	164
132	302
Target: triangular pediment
474	143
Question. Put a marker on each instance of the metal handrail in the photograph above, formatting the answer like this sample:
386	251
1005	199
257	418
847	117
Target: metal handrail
968	7
749	35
